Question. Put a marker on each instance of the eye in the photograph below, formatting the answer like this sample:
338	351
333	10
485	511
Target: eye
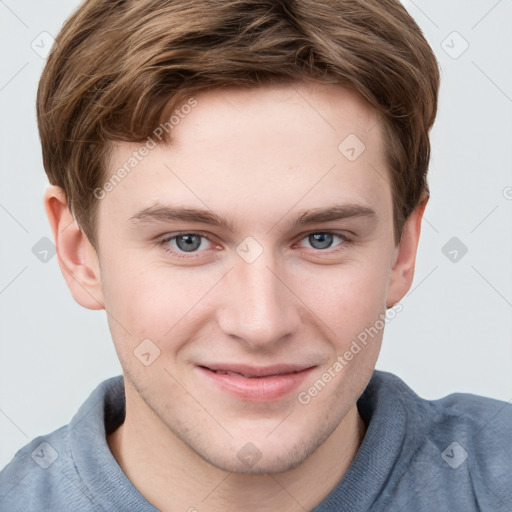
185	243
323	240
189	244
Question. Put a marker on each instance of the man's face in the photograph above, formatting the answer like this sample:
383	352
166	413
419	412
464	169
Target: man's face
242	317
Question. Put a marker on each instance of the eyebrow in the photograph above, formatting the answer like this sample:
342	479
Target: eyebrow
165	213
336	212
169	213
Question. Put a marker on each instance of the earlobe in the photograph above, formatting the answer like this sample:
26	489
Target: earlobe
404	258
77	258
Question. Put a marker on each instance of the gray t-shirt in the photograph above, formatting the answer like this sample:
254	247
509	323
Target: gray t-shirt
453	454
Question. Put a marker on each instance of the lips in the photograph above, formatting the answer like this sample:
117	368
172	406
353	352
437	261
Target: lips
254	371
255	383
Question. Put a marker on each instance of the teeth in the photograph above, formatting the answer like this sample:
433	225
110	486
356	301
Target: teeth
235	374
223	372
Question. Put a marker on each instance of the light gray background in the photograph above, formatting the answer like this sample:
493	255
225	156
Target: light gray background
454	333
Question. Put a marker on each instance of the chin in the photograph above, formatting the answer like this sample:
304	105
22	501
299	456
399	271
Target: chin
271	464
266	457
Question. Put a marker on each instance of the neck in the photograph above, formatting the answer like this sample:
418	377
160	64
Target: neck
172	477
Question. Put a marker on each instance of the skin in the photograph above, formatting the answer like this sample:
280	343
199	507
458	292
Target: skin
261	158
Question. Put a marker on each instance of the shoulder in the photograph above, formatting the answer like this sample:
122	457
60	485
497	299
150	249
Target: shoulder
49	472
457	450
480	430
41	474
462	413
480	425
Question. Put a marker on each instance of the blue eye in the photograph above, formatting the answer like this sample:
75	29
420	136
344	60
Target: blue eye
324	240
188	242
185	243
195	245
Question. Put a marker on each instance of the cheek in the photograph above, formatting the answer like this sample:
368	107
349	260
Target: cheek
347	297
143	305
153	300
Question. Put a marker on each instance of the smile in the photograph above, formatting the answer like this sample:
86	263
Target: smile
258	384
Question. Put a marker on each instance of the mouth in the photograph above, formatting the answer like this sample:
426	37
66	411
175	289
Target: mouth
251	383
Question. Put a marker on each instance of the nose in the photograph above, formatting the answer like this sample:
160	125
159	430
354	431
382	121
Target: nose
258	308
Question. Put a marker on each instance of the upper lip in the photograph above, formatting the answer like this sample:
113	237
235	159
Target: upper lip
257	371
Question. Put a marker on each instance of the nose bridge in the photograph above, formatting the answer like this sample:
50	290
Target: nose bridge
258	307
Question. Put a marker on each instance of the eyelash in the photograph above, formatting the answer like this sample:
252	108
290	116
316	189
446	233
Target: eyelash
181	254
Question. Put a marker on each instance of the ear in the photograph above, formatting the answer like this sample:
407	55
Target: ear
77	258
404	259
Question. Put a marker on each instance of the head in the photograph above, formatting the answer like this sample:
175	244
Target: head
239	183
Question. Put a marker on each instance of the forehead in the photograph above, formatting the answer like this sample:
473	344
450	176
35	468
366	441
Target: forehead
260	149
294	110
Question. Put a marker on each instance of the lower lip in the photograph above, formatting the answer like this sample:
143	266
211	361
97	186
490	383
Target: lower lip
258	389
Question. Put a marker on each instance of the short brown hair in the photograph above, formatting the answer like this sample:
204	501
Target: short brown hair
120	67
